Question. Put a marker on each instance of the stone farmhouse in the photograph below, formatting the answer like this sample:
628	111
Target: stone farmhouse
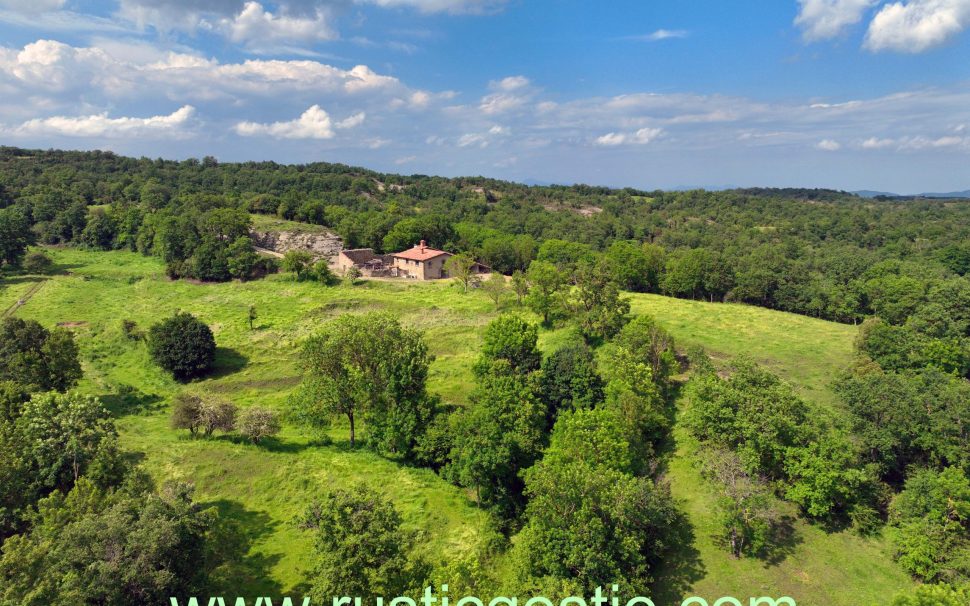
420	262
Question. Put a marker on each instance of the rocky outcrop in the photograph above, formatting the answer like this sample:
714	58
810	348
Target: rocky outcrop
324	245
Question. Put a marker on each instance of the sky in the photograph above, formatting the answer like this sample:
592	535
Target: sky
848	94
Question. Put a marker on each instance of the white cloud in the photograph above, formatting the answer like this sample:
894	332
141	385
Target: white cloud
917	25
314	123
917	143
660	34
256	27
510	84
828	145
352	121
821	19
640	137
499	103
102	126
877	143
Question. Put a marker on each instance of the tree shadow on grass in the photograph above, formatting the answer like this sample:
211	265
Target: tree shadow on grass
227	362
132	402
681	567
273	443
784	541
242	571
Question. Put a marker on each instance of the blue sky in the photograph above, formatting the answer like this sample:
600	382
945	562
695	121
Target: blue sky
853	94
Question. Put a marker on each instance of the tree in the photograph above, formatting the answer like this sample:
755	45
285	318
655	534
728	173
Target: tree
745	511
646	339
545	290
512	339
297	262
752	411
360	548
100	231
241	258
40	359
588	517
37	262
636	398
520	286
353	275
931	525
203	414
256	423
370	368
112	548
498	436
566	256
629	265
569	379
15	236
934	595
825	476
182	345
596	304
63	434
322	273
495	288
461	268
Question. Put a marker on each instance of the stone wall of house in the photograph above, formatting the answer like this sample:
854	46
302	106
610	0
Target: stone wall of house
320	245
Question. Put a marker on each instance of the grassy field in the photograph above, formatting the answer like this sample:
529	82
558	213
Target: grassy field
264	487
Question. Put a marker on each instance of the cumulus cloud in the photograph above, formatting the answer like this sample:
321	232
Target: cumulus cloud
640	137
509	84
314	123
101	125
877	143
828	145
511	93
256	27
917	25
821	19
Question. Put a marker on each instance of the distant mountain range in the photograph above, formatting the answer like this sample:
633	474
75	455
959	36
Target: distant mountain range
867	193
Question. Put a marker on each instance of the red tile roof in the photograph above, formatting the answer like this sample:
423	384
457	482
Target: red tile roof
421	252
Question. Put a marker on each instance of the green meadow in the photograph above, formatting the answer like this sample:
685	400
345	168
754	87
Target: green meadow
262	488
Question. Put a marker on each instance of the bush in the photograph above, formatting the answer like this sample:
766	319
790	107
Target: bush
182	345
205	415
256	423
131	331
323	274
37	263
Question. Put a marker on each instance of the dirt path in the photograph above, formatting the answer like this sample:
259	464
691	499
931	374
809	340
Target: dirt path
23	300
269	252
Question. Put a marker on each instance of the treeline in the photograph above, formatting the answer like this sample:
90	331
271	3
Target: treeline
80	522
562	450
895	456
815	252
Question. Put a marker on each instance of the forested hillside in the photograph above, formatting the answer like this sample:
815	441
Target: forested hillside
534	435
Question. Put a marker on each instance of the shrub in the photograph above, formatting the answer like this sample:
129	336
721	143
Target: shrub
323	274
206	415
131	330
37	263
182	345
256	423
